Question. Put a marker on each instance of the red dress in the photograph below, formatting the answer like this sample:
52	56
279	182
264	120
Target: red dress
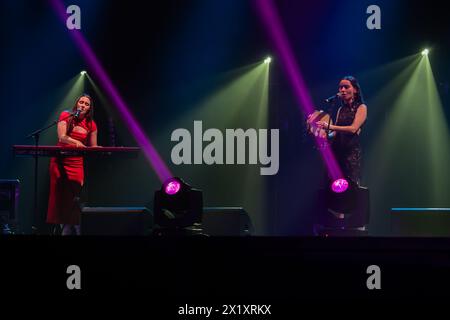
66	179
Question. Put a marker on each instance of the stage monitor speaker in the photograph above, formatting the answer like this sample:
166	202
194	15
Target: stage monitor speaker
9	198
346	210
420	222
116	221
226	221
9	203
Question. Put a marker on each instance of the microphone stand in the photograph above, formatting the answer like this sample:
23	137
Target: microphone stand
36	135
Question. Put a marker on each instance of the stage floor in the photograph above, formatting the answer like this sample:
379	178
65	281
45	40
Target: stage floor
217	269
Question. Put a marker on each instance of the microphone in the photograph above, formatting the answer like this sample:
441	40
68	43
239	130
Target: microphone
76	114
332	98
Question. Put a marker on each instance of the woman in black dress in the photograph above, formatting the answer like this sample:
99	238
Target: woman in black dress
346	131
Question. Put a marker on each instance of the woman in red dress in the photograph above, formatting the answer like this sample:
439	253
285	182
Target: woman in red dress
67	173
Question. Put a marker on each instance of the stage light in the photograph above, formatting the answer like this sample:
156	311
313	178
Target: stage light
177	206
339	185
342	214
83	73
267	60
172	186
425	52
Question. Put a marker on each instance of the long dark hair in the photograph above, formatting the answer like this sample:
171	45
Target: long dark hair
359	98
89	114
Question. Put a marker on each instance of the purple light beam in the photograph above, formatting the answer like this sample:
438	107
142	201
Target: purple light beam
150	152
272	23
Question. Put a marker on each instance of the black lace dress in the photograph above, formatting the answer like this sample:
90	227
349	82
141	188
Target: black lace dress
346	146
